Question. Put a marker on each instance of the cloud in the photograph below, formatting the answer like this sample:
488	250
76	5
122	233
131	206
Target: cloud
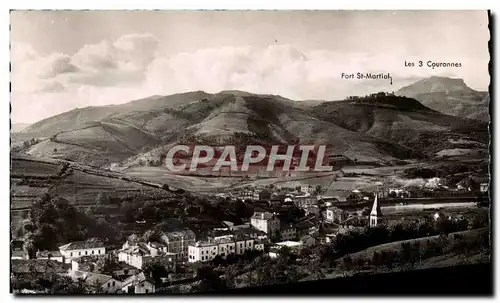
133	67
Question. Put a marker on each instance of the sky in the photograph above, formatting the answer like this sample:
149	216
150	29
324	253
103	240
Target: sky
62	60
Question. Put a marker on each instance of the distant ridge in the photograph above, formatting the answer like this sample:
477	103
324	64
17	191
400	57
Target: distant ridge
450	96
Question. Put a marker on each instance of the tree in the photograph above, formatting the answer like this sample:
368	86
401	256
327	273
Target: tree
347	264
318	189
156	270
106	263
151	235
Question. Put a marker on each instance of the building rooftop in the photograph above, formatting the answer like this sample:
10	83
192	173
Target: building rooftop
289	243
47	253
336	194
84	259
91	278
263	215
82	245
37	266
139	278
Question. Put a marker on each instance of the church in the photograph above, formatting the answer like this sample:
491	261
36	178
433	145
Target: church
375	214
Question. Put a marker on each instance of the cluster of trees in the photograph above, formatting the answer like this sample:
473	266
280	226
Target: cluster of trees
48	283
354	241
54	221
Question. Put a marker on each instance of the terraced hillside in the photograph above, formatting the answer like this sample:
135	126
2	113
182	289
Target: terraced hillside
380	129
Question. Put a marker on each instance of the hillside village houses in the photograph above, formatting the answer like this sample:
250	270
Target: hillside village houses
82	248
204	251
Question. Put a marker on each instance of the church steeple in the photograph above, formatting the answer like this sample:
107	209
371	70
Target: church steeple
375	213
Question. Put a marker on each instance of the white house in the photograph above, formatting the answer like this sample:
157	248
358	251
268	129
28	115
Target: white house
81	248
307	189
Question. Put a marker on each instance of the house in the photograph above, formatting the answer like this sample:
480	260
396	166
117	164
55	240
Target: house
97	283
204	251
306	227
312	210
82	248
336	215
178	241
50	255
307	189
304	201
266	222
484	187
140	254
138	284
336	195
288	231
375	214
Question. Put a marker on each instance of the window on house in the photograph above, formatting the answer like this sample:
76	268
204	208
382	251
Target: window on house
86	252
113	283
147	290
109	284
99	251
71	254
92	252
79	253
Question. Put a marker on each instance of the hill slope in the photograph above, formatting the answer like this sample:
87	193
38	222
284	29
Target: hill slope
403	121
449	96
379	130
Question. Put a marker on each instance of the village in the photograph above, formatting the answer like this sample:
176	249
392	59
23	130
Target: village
284	220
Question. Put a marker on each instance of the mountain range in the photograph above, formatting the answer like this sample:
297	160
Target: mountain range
449	96
380	128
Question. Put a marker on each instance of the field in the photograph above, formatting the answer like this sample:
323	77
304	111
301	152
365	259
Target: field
79	185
